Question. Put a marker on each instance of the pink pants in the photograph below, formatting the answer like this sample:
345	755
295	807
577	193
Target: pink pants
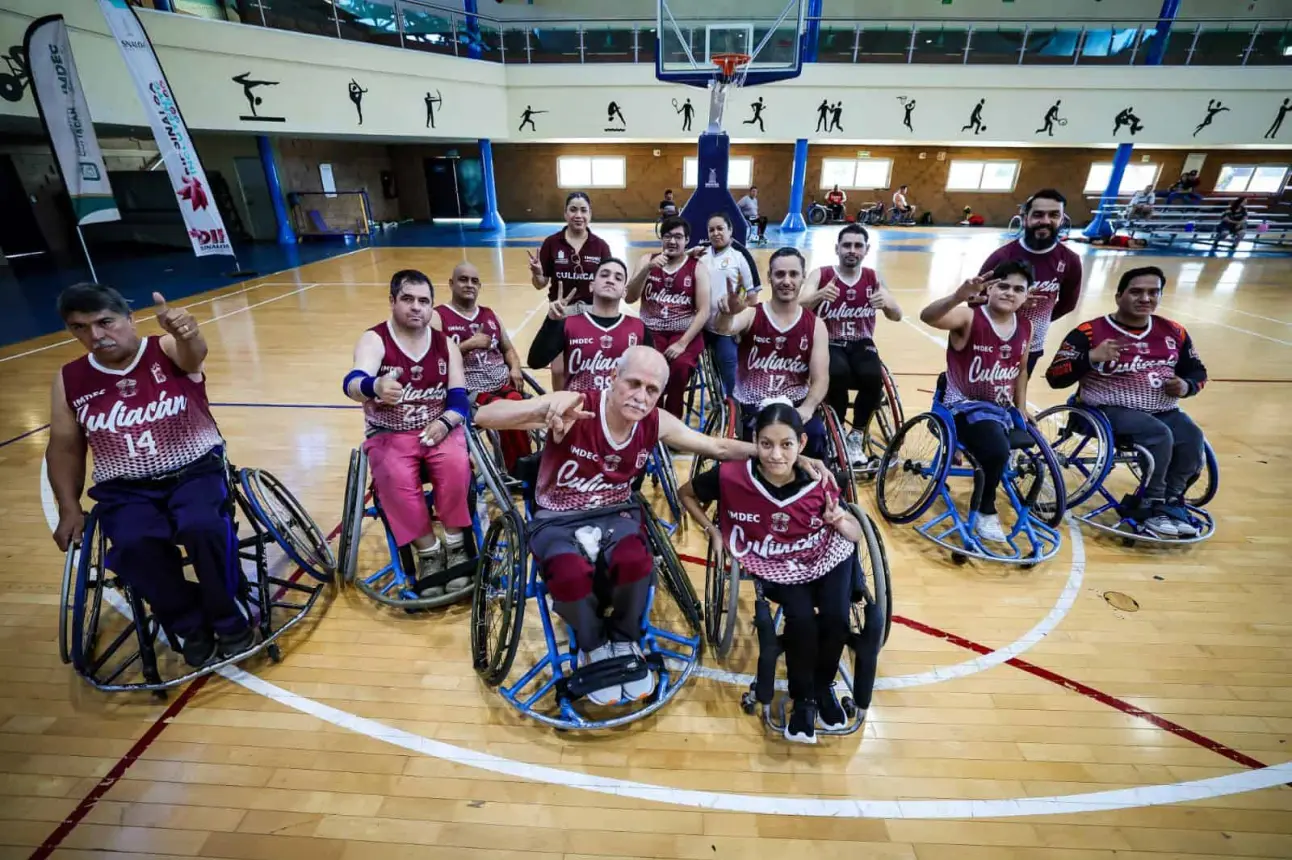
399	462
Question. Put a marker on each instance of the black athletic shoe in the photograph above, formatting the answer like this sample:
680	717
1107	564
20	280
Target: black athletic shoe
830	714
801	729
198	648
236	643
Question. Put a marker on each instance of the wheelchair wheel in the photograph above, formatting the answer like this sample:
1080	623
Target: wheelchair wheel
356	484
888	416
836	454
498	604
288	523
816	214
666	476
87	596
671	572
1202	489
1038	481
721	596
722	423
913	468
874	562
1082	450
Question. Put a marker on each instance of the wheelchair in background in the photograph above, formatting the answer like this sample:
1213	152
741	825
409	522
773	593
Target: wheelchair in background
127	659
1105	475
916	469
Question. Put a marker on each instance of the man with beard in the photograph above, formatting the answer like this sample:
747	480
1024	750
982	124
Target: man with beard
1057	268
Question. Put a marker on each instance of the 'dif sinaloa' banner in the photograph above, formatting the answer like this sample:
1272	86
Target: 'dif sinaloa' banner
187	178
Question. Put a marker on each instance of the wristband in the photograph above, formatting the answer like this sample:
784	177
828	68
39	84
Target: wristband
448	425
367	383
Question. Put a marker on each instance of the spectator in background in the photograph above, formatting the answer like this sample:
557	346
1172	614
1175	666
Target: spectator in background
834	201
969	219
1233	221
748	206
667	206
1186	187
1142	203
901	206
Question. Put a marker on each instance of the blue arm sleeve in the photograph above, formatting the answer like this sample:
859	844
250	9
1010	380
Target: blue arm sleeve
458	402
366	383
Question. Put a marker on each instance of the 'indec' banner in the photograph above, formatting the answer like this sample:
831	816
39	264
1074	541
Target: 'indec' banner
205	227
66	118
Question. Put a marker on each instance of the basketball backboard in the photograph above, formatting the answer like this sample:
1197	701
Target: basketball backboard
690	32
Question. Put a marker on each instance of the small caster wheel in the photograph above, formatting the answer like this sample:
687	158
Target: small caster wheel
1027	566
160	695
959	558
275	653
748	703
1128	542
849	707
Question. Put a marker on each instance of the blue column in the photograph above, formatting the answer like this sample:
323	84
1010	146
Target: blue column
793	222
812	32
1170	8
163	6
286	235
473	29
491	220
1099	228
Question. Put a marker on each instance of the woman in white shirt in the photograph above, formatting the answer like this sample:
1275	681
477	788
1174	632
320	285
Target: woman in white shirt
731	269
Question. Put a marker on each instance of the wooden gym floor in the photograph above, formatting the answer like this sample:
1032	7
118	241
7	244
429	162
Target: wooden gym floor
1018	713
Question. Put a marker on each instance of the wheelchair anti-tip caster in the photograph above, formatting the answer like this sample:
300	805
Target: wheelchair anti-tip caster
849	707
160	695
274	652
959	558
748	703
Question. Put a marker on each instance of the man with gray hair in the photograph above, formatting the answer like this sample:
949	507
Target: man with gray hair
598	443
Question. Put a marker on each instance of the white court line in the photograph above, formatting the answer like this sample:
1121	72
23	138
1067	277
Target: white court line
1206	321
940	341
1244	313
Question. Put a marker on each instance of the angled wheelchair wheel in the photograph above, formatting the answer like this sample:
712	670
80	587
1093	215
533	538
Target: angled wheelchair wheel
721	423
836	454
670	570
888	417
665	476
1082	449
356	491
1202	489
874	562
816	215
913	468
498	602
81	638
1037	480
721	596
288	523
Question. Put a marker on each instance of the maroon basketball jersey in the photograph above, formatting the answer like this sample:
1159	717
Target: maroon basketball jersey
425	378
780	541
774	362
571	269
850	317
484	369
591	351
1135	379
1057	270
988	366
668	301
586	469
144	421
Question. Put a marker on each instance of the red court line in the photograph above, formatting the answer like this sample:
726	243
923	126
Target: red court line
1075	686
87	804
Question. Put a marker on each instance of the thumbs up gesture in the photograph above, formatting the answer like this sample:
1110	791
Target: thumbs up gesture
388	388
176	322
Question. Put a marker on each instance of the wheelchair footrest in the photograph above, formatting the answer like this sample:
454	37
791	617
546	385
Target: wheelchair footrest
442	577
604	673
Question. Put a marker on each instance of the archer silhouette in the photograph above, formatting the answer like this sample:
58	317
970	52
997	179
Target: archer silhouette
1278	121
975	119
687	113
1127	118
1213	107
1051	117
431	105
356	96
527	116
248	90
757	108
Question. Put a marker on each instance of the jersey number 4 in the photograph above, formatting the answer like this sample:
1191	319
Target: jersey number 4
144	444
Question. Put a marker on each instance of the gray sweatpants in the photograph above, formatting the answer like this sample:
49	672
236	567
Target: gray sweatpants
1171	437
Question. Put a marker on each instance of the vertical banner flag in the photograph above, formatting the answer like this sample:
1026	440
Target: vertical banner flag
66	117
187	178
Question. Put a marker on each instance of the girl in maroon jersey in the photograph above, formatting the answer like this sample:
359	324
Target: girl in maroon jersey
986	373
789	531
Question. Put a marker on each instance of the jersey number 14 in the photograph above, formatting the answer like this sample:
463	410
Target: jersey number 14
144	444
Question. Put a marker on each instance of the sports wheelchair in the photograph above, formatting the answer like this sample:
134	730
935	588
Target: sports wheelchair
871	620
550	691
101	653
884	422
915	471
729	421
1089	452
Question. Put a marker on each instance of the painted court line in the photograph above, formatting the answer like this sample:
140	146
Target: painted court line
1206	321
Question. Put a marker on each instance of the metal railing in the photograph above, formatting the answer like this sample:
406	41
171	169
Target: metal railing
425	26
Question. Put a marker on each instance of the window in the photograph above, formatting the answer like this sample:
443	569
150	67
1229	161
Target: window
1136	177
982	176
855	172
590	171
1253	179
740	172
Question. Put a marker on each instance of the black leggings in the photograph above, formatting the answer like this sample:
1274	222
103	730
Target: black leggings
855	366
816	628
988	441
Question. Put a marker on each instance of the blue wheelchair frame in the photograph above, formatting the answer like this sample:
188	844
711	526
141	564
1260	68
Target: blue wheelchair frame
958	535
1111	452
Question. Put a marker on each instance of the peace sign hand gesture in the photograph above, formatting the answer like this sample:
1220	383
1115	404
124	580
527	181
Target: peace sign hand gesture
535	265
558	309
176	322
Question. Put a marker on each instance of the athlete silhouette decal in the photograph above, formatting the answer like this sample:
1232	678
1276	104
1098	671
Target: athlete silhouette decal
527	118
1213	107
757	107
249	87
975	119
14	83
1278	120
356	96
687	112
1126	118
432	102
1051	117
615	115
909	106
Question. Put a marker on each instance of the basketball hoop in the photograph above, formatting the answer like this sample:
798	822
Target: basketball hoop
732	69
728	65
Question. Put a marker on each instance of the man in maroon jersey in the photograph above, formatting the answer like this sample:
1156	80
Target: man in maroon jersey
1135	367
159	473
597	447
592	340
674	293
784	349
1057	268
489	360
410	380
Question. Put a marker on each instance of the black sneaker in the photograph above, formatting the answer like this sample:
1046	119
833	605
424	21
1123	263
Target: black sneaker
830	714
801	729
198	648
235	643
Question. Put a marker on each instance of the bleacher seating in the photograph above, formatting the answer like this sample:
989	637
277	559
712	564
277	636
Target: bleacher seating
1194	222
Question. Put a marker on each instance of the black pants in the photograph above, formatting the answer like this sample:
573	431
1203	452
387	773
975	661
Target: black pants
816	628
1032	359
855	366
988	441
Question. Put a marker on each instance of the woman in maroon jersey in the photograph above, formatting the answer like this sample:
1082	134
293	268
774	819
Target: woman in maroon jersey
788	530
986	377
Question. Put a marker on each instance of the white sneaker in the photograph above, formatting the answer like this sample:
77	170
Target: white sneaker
430	560
606	695
856	449
988	528
635	690
1162	526
457	555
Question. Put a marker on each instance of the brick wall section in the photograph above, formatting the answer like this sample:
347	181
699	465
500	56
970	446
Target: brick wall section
355	167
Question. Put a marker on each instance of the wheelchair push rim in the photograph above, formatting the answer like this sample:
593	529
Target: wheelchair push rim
87	595
499	595
1037	480
288	523
876	566
1204	487
887	420
913	468
356	486
671	572
721	598
836	450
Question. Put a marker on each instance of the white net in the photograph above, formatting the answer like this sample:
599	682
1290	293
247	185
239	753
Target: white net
340	213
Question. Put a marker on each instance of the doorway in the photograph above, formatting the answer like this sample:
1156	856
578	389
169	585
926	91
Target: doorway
455	187
19	232
255	199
